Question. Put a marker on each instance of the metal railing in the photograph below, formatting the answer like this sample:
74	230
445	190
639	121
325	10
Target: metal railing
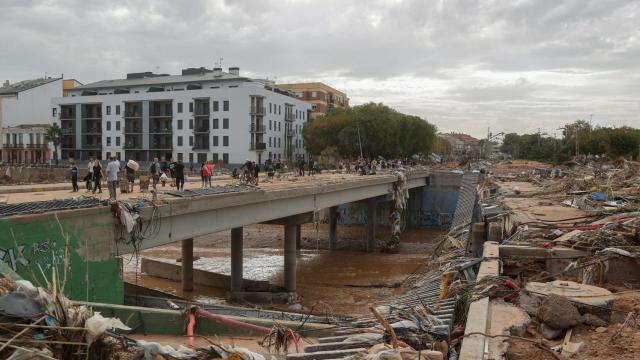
258	146
257	128
289	117
257	110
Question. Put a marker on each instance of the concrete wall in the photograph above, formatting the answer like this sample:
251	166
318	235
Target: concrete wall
93	274
429	206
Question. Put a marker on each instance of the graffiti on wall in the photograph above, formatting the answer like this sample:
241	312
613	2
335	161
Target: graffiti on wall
44	254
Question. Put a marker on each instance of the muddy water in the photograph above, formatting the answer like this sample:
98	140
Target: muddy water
341	281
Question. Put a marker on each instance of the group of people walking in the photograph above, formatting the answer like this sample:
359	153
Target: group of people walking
95	174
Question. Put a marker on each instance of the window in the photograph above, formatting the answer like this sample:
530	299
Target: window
278	142
269	124
314	93
190	124
225	141
108	110
117	109
270	108
215	158
117	125
108	125
180	157
215	106
191	107
190	140
179	107
179	124
279	126
179	140
269	141
118	155
279	109
117	140
54	112
108	141
108	154
215	141
225	123
216	124
225	105
225	158
190	157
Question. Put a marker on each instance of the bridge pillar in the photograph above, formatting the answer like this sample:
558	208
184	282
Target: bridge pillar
333	227
187	264
372	223
290	232
236	260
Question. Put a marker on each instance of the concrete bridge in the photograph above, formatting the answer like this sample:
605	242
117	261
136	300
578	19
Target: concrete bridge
182	219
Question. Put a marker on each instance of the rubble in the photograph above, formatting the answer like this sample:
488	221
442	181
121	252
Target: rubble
557	312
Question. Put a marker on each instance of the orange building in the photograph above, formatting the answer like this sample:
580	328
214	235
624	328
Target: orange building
322	96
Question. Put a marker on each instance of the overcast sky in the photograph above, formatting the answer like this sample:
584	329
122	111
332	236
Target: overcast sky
463	65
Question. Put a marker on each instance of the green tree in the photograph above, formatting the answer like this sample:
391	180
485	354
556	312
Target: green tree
378	129
54	135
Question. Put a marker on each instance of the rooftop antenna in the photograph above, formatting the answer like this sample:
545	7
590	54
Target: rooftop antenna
219	62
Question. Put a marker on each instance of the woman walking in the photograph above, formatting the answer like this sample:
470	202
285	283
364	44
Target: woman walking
97	176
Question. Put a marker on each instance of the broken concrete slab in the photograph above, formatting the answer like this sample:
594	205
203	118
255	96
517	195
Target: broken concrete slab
576	292
504	319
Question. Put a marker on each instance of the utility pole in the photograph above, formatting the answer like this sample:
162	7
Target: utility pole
359	140
539	132
576	132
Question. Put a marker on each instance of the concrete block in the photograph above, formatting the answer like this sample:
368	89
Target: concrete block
173	272
473	346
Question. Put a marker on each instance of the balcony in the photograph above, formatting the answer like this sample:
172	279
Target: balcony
290	132
289	117
93	146
132	130
37	146
160	130
258	146
133	115
257	128
203	146
257	110
133	146
68	131
13	146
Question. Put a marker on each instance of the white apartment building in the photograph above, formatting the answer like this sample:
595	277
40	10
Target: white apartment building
199	115
24	112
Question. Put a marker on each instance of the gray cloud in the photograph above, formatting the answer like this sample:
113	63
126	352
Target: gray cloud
463	64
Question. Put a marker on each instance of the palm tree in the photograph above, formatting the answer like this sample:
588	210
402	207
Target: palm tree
54	135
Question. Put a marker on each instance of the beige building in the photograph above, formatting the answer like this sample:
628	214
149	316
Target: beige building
321	96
